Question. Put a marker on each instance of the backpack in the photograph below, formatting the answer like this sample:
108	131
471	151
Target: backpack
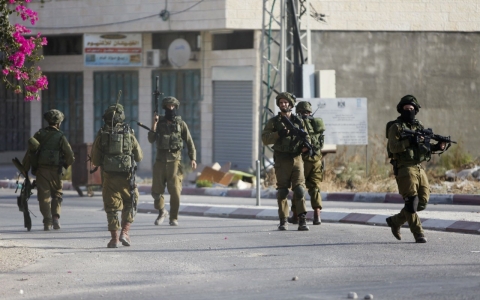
116	147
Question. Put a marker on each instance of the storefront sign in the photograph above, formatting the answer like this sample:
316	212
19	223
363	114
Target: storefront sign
112	50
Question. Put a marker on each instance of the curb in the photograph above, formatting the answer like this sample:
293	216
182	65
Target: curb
267	213
454	199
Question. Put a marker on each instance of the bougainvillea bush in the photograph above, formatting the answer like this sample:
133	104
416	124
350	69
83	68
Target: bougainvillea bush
18	51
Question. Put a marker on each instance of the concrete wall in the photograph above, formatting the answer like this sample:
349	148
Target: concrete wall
440	69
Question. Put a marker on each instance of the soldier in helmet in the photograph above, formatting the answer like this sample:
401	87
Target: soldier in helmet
288	160
313	168
169	132
407	155
116	151
48	154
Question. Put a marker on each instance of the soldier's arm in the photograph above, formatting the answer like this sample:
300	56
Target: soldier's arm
137	151
192	152
269	135
68	152
97	152
395	144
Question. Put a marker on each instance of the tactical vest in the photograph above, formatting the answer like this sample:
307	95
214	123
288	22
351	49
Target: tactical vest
117	146
50	150
315	129
413	154
286	144
169	136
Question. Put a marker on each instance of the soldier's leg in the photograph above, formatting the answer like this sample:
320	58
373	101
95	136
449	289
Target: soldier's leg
298	184
158	184
112	202
174	185
57	198
423	191
283	167
43	195
128	214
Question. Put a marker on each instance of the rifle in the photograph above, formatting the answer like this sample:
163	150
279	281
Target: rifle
298	134
427	135
157	94
133	186
143	126
25	193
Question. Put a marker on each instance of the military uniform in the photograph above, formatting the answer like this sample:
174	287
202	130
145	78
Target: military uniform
116	151
289	170
313	167
48	153
406	155
170	133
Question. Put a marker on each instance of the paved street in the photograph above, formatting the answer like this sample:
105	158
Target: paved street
225	258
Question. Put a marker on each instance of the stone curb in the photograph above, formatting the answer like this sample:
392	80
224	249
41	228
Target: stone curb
271	213
455	199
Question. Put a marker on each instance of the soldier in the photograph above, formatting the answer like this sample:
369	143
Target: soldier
169	132
313	167
406	155
116	151
288	161
48	153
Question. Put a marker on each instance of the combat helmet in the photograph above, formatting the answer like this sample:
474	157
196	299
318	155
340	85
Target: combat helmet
170	100
116	112
304	106
54	116
287	96
408	99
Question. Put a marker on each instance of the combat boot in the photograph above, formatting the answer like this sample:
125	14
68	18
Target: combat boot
162	213
420	238
316	216
114	242
395	229
293	219
56	223
173	223
283	224
302	222
124	238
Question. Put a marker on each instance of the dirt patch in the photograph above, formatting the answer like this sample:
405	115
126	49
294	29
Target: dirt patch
14	255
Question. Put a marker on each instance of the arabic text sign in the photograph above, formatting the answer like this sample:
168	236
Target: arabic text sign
113	49
345	119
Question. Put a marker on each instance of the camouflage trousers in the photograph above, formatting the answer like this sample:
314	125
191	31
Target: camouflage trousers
313	171
116	197
49	192
412	181
167	175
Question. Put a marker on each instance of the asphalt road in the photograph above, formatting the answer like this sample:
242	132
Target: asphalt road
216	258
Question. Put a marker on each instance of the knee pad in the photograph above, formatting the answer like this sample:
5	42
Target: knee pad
411	204
299	192
282	194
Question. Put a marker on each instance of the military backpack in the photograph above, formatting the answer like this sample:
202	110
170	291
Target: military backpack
117	146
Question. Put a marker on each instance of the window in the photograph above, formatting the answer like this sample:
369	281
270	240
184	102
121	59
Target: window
235	40
63	45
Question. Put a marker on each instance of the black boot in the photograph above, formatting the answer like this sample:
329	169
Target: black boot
293	219
283	224
420	238
395	229
302	222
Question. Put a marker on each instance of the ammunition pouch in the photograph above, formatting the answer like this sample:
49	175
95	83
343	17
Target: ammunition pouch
117	163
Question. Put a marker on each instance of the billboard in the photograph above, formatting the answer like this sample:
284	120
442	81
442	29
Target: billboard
123	50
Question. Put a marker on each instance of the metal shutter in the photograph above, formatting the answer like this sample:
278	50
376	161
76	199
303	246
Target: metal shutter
233	123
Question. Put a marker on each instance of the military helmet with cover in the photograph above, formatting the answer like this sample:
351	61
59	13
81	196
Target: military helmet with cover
170	100
287	96
408	99
114	111
54	116
304	106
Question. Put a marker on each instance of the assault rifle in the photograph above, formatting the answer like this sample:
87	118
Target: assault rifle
25	193
144	126
157	93
427	135
133	186
298	134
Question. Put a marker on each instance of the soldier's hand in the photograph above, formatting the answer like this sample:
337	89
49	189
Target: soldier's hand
442	145
155	118
194	165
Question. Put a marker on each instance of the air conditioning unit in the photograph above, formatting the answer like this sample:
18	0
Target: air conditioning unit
164	58
152	58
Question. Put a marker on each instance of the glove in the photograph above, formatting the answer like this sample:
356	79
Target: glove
283	132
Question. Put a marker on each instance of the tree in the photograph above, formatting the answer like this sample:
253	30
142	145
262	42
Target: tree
18	51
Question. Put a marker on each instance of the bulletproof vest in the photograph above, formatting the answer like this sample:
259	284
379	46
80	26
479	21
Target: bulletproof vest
315	129
169	135
413	154
116	147
50	150
286	144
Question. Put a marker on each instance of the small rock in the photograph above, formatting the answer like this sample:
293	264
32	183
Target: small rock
295	278
21	292
352	295
368	297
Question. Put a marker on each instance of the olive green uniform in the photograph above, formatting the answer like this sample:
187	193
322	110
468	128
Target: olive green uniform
167	170
411	179
116	184
47	162
313	167
288	165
